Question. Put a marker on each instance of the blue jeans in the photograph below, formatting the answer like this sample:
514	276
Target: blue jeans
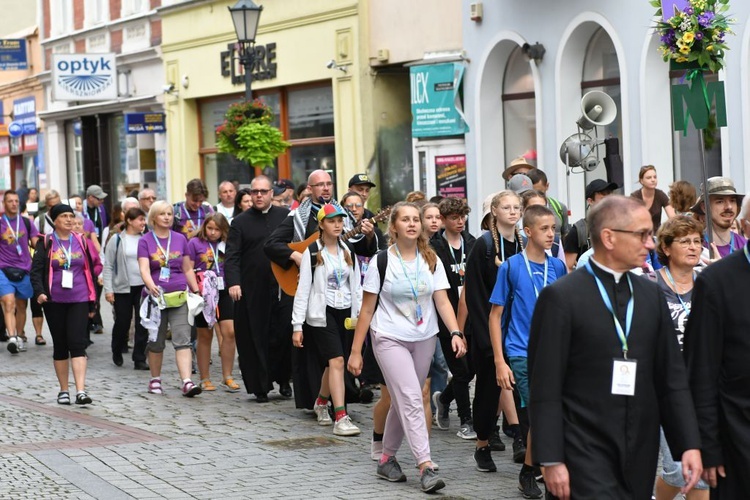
438	373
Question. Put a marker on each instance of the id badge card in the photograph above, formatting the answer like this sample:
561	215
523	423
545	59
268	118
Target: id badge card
164	274
460	290
420	318
220	283
18	249
67	278
623	377
338	299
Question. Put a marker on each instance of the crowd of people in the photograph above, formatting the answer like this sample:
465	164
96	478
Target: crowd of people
608	340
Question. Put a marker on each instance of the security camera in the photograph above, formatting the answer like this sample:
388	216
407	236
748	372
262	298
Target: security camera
168	88
331	64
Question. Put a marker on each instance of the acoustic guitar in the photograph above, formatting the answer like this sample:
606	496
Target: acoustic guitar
288	278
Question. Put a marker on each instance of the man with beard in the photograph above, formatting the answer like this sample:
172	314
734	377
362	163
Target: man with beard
725	204
261	319
300	225
605	369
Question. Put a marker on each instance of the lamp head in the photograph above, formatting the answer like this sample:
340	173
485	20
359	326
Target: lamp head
246	17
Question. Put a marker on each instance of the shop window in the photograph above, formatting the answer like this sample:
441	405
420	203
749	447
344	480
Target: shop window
61	17
310	113
601	71
519	107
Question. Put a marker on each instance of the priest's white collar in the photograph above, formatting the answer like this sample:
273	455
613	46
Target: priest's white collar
614	273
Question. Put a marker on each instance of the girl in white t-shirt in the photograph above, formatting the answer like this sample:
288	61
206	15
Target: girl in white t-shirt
326	295
402	316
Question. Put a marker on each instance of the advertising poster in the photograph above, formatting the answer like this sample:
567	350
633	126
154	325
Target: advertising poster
13	55
450	174
435	102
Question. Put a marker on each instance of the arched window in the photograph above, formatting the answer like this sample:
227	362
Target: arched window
601	71
519	109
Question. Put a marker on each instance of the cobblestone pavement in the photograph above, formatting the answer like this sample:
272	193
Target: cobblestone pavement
130	444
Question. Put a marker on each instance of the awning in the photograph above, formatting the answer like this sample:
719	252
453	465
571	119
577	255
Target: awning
96	108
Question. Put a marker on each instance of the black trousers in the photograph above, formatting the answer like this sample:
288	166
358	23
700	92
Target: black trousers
280	341
458	387
68	324
486	396
126	306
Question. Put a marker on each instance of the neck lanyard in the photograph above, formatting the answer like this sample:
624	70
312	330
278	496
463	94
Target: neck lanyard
161	248
338	272
685	307
187	214
215	251
406	274
747	254
528	268
459	265
14	233
67	252
731	242
622	335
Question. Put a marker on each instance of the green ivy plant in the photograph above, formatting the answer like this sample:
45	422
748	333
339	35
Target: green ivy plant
247	134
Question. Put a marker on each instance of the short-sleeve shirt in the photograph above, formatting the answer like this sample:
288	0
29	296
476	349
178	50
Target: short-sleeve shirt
178	248
524	297
661	200
80	290
396	314
202	254
13	237
736	242
678	310
189	221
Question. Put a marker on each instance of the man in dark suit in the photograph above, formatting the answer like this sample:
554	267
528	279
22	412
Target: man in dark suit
605	370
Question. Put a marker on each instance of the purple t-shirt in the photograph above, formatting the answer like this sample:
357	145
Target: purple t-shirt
202	255
80	290
88	226
188	221
12	237
736	242
178	247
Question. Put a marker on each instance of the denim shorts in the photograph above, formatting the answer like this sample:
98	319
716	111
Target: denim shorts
21	289
672	470
520	367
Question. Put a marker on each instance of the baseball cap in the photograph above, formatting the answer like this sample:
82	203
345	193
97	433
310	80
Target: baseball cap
96	191
520	183
361	179
329	210
717	186
285	183
599	185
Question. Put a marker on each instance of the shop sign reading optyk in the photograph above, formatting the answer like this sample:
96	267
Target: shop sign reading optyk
84	77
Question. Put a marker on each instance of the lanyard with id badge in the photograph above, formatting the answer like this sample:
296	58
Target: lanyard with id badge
164	272
460	267
418	310
623	369
13	233
219	277
67	274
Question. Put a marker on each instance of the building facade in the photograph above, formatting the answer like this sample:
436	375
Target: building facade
516	104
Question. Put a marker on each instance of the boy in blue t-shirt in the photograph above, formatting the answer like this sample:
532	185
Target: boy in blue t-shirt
519	281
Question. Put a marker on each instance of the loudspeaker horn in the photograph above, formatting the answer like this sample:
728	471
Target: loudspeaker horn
598	109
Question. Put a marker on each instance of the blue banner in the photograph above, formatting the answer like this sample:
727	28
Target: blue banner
435	103
145	123
13	55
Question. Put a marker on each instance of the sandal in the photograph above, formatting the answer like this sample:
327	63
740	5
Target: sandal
63	398
40	340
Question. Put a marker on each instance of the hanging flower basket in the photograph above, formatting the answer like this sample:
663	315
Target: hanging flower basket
247	133
693	32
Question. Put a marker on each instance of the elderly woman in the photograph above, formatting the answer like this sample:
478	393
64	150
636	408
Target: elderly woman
679	250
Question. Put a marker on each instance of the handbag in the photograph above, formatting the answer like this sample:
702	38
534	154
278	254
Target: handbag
14	273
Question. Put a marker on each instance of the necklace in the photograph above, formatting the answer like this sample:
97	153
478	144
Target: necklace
673	281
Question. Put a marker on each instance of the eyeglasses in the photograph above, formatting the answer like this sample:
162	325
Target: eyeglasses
686	242
353	205
511	208
256	192
645	235
149	198
322	184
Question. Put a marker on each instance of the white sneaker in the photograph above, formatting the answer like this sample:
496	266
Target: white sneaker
322	412
376	450
345	427
13	345
21	345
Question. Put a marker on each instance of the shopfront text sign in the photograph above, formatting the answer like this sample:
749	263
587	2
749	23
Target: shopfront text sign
264	66
145	123
435	103
13	54
84	77
24	113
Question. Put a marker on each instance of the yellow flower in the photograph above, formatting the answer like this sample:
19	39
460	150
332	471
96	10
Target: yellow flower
710	48
681	59
688	37
684	50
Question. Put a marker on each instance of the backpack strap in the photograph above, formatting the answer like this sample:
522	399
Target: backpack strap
313	259
505	320
381	260
487	237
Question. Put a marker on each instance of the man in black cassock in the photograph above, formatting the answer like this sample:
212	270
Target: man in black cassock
256	294
717	350
593	441
301	224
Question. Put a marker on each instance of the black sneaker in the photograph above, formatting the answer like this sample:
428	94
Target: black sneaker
496	444
430	481
538	474
483	458
391	471
83	399
527	485
519	449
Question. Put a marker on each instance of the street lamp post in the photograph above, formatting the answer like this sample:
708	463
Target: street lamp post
246	16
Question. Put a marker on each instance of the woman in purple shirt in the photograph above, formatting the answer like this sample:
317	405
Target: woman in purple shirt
166	270
62	274
207	254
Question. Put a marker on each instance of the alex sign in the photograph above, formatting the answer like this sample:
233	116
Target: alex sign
435	103
84	77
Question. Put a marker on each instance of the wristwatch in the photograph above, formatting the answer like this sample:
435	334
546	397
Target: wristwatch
457	333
